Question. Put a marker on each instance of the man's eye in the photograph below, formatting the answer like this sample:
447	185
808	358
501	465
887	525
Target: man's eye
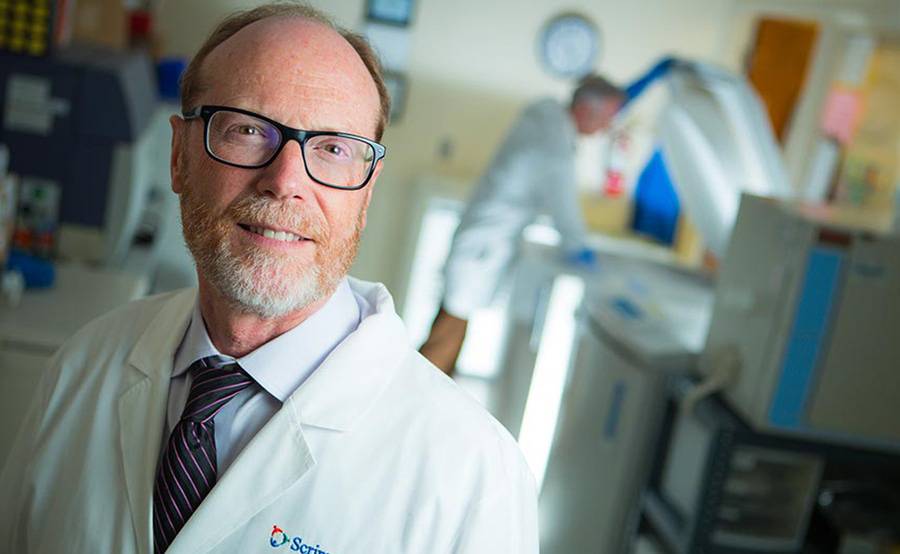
335	149
247	130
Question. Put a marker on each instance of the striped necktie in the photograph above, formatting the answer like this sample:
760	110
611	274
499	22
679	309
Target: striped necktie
187	470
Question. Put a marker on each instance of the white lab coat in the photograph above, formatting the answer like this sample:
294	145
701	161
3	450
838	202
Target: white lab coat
376	452
532	172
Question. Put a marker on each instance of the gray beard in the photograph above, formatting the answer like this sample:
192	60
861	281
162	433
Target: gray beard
237	277
235	281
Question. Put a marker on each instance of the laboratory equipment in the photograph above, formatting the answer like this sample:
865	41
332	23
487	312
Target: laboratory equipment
720	487
807	308
640	323
715	142
581	384
77	124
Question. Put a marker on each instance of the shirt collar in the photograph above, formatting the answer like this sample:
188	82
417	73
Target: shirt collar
281	365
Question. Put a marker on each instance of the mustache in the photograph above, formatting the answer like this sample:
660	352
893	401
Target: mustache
259	210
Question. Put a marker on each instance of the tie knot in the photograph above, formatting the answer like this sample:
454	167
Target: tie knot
216	381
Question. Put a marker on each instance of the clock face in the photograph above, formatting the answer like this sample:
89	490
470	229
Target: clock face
568	45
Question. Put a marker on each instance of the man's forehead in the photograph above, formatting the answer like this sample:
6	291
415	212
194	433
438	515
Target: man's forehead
282	59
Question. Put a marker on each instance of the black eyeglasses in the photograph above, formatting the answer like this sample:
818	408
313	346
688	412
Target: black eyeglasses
245	139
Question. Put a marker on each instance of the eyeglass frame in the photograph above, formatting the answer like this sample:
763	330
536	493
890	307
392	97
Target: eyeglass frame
206	111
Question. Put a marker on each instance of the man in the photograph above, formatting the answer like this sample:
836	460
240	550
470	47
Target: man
532	172
281	404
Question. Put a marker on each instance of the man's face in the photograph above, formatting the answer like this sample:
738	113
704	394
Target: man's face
594	115
306	76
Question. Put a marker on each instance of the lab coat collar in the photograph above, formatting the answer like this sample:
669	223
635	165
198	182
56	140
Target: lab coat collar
339	391
285	362
154	352
352	377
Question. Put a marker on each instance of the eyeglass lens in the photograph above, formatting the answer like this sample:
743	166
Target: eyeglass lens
245	140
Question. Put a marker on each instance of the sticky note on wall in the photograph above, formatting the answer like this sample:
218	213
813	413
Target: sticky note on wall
841	115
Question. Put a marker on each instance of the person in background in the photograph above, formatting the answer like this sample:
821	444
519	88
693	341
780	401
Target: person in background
280	403
532	172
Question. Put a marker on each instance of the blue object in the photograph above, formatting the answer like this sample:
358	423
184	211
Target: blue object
615	410
38	273
640	84
808	337
656	205
168	75
584	258
626	308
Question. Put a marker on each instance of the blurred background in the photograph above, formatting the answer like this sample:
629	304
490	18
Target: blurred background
725	380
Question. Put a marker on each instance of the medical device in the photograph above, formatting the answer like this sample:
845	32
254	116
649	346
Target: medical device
78	127
807	306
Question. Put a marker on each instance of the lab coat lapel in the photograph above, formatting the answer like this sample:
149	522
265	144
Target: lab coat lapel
142	410
276	457
141	415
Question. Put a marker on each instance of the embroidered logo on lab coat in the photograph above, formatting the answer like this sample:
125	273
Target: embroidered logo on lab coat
279	538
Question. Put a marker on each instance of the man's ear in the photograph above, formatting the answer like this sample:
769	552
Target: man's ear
370	187
176	161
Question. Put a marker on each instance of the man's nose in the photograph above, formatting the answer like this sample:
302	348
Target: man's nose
286	176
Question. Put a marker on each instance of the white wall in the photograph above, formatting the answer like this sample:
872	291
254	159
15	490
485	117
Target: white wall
473	65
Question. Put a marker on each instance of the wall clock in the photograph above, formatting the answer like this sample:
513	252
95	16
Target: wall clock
569	45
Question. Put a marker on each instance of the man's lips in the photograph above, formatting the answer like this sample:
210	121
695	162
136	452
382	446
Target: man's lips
273	233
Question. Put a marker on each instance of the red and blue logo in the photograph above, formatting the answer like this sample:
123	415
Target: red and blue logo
279	538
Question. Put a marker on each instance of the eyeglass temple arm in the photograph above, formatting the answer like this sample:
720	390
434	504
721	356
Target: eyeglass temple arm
192	114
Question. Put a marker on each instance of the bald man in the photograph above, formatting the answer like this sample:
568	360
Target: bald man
279	404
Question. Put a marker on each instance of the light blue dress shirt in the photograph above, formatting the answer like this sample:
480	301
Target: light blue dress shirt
278	367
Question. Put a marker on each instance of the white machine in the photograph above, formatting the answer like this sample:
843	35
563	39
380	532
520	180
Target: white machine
808	308
717	143
601	346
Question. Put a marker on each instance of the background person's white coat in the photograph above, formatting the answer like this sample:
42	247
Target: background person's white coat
533	172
